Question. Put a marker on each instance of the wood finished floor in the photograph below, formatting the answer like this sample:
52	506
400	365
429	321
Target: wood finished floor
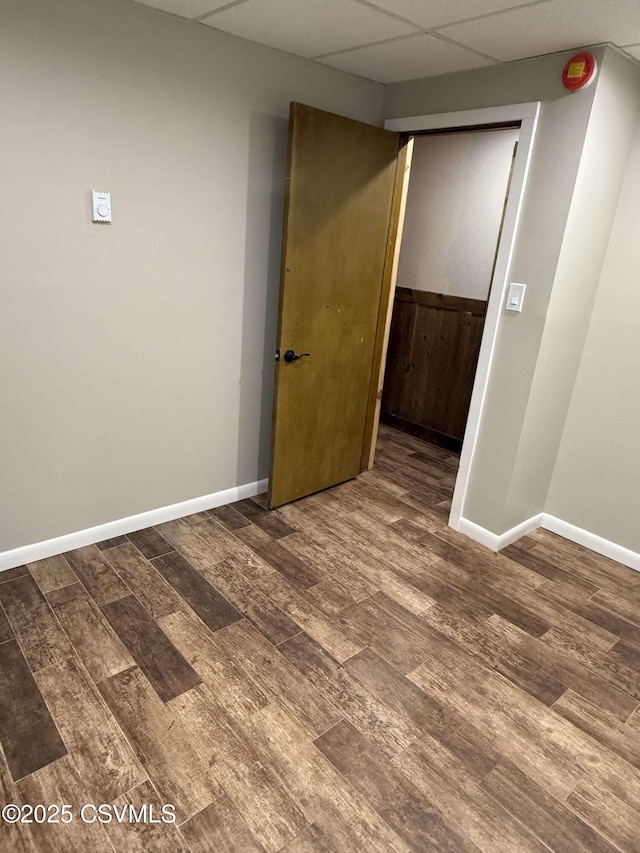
345	674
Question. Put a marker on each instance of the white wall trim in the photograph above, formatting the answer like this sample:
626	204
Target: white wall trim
555	525
527	115
464	118
590	540
494	541
50	547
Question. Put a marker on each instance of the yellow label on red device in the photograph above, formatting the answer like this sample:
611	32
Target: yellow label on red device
576	69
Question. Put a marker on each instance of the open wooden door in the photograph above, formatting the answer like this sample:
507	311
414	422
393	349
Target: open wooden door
339	194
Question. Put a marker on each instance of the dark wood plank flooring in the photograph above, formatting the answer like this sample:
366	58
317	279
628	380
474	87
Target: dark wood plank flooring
344	674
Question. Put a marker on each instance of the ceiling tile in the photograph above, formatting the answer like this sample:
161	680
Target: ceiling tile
436	13
308	28
186	8
632	50
406	59
550	27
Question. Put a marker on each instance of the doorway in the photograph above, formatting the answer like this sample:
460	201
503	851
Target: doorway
524	115
458	186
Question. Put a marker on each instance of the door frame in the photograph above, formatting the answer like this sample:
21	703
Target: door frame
526	115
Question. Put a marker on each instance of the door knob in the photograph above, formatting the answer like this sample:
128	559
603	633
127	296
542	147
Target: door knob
289	356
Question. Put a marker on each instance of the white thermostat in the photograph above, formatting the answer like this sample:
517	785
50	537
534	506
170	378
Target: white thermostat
101	206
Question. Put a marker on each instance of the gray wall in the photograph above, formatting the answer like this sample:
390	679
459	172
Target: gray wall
596	481
137	358
584	247
580	153
454	208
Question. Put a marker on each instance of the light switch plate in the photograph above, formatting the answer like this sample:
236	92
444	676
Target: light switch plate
515	297
101	206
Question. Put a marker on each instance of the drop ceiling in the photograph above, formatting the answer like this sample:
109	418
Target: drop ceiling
393	40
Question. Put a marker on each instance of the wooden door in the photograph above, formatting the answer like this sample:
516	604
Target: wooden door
339	192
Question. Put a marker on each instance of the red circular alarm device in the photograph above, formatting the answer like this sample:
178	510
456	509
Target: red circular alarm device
579	71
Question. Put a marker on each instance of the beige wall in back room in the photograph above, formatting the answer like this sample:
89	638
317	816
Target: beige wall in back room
137	357
596	481
454	209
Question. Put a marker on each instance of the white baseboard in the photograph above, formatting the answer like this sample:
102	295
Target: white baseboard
555	525
478	534
590	540
494	541
50	547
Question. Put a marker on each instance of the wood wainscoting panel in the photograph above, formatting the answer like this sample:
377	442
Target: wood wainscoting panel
431	364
